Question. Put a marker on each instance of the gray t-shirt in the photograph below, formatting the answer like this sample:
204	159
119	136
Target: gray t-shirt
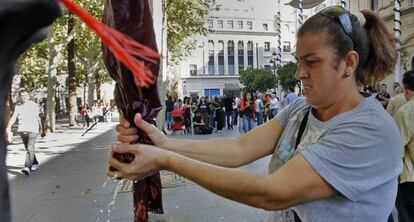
357	152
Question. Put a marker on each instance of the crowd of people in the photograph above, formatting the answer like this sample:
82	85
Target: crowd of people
337	155
99	112
206	114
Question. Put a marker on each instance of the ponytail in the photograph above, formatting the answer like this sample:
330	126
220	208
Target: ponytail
382	53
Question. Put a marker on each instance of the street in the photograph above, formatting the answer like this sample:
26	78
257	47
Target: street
69	185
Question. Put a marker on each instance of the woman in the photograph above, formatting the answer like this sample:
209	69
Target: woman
336	154
204	109
248	108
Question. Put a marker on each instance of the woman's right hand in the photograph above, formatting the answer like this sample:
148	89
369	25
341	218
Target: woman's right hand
128	134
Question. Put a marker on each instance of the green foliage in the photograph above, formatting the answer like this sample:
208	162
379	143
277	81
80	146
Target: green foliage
257	79
185	19
286	75
32	65
404	57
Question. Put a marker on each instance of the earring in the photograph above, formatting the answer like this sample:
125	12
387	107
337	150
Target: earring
346	75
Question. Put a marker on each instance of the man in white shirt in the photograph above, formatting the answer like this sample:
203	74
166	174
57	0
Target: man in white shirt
29	125
274	106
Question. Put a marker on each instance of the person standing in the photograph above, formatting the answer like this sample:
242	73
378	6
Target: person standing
228	107
169	104
291	96
248	107
274	106
29	127
396	101
404	119
383	96
259	109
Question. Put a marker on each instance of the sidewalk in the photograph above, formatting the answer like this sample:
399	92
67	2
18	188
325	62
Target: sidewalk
68	186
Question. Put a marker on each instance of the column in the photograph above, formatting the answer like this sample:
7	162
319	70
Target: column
255	55
236	57
226	58
216	43
204	60
245	54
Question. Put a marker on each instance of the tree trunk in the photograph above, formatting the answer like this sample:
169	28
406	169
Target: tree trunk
98	84
91	85
53	63
71	74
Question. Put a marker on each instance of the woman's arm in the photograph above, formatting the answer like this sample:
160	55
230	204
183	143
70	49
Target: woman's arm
228	152
294	183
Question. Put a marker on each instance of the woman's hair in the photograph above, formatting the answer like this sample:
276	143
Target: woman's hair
374	43
245	97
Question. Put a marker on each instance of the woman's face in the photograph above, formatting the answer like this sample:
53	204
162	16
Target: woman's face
320	72
248	96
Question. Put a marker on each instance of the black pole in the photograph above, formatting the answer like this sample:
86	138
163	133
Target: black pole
22	23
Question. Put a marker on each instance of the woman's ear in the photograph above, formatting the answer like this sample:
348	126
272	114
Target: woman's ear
351	61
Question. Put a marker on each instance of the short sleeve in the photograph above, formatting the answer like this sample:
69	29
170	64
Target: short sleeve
356	158
283	116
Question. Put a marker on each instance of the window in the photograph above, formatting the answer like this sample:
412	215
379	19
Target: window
193	70
220	24
240	24
374	5
230	52
230	24
210	57
267	46
265	27
210	24
286	46
250	54
240	52
250	25
221	58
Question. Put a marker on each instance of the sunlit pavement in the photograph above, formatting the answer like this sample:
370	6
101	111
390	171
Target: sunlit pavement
69	185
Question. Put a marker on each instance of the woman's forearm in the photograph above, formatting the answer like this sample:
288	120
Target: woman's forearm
221	152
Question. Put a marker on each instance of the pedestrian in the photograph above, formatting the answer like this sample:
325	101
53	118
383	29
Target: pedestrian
248	107
405	122
259	109
396	101
291	96
169	104
29	126
336	154
228	107
274	105
383	96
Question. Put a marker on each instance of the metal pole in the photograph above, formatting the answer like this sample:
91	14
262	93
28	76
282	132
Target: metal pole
300	8
397	31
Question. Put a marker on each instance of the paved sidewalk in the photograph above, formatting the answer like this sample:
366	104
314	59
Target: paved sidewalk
68	186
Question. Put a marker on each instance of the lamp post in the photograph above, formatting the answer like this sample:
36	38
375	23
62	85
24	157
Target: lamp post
274	63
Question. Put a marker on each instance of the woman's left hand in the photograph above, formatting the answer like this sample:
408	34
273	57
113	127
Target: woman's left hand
147	160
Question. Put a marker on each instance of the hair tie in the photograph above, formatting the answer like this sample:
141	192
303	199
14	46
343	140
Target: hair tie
360	17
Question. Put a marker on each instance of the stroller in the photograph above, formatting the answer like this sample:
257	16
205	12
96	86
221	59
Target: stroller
178	126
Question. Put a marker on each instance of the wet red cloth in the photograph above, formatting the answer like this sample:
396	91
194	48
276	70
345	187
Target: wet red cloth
133	17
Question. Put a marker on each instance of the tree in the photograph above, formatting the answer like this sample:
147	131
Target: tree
257	79
185	18
286	75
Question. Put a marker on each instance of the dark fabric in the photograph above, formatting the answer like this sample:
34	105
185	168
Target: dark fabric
405	202
22	23
228	104
169	104
29	140
134	19
385	94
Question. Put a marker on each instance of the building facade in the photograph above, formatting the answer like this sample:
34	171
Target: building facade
386	9
243	34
